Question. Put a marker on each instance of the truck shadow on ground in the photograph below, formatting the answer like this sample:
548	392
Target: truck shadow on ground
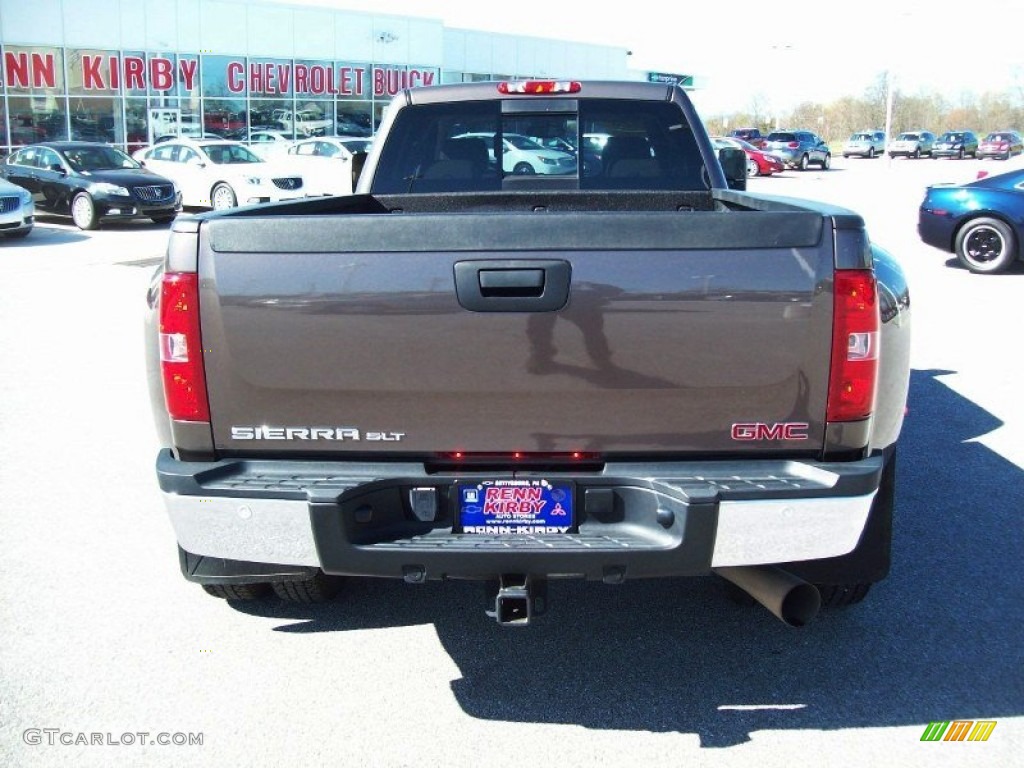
938	640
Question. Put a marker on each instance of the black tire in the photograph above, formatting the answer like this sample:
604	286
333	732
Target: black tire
871	153
804	162
827	162
320	589
917	153
83	211
237	591
222	197
523	169
19	234
164	219
960	154
986	246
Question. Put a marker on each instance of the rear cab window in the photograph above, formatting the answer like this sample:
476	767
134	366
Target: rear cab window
595	144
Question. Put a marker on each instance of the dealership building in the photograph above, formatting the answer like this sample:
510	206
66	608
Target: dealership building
129	71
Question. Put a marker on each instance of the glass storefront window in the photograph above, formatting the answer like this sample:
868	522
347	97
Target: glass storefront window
223	76
226	118
4	138
270	78
355	80
33	70
97	119
188	74
268	114
378	113
162	74
312	118
136	123
133	74
36	119
353	118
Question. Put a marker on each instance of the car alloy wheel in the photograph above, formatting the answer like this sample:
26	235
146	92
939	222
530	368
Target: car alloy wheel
522	169
986	245
752	169
83	211
803	162
223	197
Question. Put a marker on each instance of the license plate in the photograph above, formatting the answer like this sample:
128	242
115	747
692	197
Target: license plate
516	507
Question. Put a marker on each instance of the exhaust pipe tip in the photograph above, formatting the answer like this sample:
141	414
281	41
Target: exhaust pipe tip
789	598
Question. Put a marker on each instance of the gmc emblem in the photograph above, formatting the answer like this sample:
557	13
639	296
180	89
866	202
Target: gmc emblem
756	430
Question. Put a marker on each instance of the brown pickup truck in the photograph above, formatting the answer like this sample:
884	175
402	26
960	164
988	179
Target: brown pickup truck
506	362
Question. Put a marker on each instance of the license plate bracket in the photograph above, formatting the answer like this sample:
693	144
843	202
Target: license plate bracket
534	506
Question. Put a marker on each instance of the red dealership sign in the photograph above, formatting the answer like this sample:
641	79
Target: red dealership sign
98	71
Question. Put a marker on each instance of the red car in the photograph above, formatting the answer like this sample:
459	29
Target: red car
1001	144
759	163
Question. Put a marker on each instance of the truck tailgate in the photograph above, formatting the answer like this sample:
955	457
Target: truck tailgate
348	334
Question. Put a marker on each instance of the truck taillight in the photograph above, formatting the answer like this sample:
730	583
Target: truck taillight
855	336
181	349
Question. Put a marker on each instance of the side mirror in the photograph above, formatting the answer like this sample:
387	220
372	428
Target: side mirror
58	168
734	164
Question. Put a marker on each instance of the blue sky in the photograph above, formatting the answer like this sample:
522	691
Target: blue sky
744	50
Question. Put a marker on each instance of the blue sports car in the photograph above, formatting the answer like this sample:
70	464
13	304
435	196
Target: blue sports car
981	221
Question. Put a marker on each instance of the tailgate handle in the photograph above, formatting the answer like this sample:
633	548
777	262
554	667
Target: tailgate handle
511	282
512	285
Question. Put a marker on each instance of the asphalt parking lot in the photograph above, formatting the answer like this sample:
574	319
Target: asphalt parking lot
102	635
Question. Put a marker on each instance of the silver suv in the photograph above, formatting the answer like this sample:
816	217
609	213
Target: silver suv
912	144
865	144
799	149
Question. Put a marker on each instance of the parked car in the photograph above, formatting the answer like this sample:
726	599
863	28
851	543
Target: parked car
189	135
91	183
17	211
758	163
912	144
327	164
980	221
1001	144
221	174
306	122
522	155
865	144
268	144
591	157
799	149
956	144
750	135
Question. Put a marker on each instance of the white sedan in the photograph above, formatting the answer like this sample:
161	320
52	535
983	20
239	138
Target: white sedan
522	155
326	163
221	174
268	144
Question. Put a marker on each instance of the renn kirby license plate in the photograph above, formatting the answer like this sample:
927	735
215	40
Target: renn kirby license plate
516	507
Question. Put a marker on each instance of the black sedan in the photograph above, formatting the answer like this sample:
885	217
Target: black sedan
90	182
982	221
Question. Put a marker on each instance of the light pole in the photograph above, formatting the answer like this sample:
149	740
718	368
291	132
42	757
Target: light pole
888	109
780	48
